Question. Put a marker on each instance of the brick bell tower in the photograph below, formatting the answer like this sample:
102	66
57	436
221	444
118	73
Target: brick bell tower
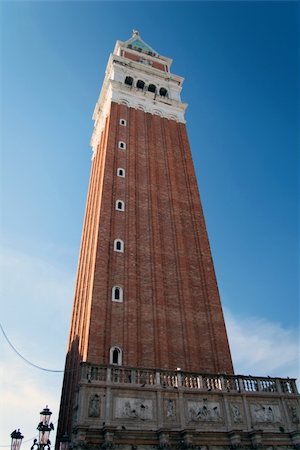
148	342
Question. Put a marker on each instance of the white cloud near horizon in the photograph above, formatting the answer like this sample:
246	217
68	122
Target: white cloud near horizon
261	347
36	312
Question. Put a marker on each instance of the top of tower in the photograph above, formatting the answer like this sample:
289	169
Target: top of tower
138	77
137	46
137	43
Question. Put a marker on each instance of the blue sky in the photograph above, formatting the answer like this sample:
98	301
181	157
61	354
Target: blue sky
240	61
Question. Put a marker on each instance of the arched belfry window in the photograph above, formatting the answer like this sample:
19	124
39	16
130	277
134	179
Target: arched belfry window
129	81
152	88
120	205
163	92
117	294
118	245
140	84
115	356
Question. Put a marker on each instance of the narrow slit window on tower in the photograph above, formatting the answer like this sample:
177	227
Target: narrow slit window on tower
120	205
163	92
115	356
117	294
118	245
152	88
121	172
140	84
122	145
129	81
123	122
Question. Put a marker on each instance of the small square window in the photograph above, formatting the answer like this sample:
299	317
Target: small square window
122	145
123	122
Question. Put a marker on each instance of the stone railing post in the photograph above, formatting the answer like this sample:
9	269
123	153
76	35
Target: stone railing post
179	379
258	384
222	382
157	378
133	376
294	387
278	386
241	384
108	375
200	382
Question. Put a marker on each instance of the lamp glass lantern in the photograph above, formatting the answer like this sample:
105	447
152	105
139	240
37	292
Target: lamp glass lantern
45	426
46	416
44	436
16	440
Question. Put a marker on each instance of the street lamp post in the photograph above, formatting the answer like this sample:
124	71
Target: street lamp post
16	440
44	427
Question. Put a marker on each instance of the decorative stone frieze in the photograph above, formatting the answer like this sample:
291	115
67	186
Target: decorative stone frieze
204	411
188	411
170	409
265	412
236	412
94	406
294	413
133	408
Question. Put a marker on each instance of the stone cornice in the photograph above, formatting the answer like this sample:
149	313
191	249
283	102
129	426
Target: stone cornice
145	68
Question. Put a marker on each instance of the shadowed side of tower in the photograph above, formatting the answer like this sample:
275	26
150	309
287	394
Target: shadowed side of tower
147	312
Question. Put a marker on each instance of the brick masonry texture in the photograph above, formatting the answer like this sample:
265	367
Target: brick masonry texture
171	315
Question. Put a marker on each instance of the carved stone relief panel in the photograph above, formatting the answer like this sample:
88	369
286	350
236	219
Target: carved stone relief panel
133	408
265	412
204	411
170	409
236	412
294	412
94	405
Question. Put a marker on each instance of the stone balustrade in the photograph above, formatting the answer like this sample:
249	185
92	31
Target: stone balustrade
182	380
